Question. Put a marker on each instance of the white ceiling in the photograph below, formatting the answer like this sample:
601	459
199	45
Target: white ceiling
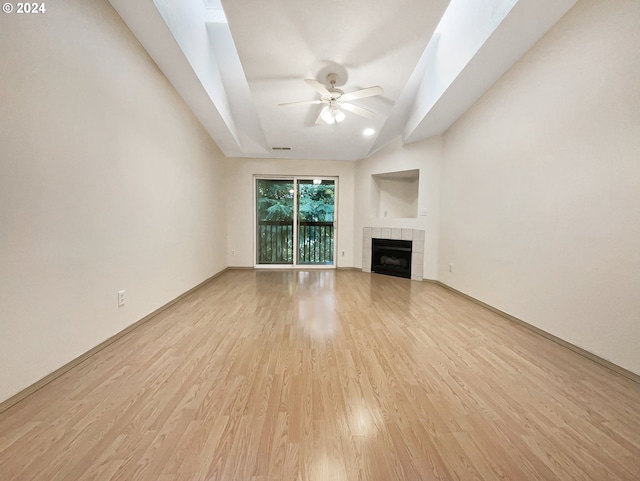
234	62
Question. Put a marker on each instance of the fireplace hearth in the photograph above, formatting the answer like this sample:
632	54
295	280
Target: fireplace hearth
391	257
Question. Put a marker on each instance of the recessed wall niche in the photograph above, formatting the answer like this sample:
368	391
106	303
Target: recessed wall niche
395	194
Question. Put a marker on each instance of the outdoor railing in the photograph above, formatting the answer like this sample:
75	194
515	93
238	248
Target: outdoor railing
275	242
315	243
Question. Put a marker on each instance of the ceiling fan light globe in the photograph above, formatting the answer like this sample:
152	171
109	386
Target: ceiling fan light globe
327	116
339	116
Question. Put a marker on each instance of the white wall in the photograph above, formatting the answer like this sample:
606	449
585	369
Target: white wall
240	184
541	186
107	182
425	156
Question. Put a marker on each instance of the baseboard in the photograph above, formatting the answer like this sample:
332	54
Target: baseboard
431	281
589	355
16	398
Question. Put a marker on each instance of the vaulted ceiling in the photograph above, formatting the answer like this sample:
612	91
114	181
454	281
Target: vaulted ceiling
235	61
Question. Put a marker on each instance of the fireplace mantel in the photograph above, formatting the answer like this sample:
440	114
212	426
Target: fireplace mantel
414	235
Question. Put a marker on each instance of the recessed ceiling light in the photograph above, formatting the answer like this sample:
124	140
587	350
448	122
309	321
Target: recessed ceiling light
368	132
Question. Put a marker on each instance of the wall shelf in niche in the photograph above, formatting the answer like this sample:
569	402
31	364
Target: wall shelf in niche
395	194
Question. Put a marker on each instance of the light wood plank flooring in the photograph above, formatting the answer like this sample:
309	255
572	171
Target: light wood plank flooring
327	376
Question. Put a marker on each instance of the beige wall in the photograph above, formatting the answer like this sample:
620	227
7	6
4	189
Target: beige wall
240	185
107	182
541	186
426	156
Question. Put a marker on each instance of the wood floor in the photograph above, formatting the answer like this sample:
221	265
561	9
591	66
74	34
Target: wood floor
327	376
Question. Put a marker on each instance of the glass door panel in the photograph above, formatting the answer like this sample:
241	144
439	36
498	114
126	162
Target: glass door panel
275	199
315	221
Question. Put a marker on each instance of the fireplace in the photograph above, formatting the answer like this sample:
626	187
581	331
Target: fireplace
416	236
391	257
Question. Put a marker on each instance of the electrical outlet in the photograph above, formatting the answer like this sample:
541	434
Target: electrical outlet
120	298
450	267
233	252
342	253
423	211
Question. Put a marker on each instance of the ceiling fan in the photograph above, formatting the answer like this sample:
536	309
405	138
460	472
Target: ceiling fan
336	100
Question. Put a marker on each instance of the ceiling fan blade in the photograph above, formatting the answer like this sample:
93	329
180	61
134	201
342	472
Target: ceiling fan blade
360	94
317	86
354	109
304	102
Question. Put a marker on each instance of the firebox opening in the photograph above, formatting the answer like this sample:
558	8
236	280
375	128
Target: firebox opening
391	257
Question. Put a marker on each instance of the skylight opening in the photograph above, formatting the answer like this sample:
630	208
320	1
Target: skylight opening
464	28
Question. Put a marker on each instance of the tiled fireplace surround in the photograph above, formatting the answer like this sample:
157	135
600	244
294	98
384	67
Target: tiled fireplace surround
417	246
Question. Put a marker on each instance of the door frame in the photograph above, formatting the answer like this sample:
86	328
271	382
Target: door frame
295	264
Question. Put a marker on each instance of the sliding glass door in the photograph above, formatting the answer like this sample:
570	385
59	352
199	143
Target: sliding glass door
295	221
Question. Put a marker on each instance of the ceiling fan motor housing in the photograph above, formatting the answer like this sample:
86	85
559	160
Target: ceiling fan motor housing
335	95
